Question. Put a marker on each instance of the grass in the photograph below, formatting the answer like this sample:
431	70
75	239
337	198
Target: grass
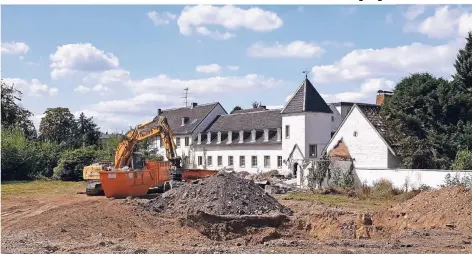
40	187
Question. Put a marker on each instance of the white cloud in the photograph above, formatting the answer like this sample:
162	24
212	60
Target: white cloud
14	48
36	119
82	89
389	62
211	68
110	77
204	86
32	87
229	17
300	49
214	34
414	11
72	58
446	22
161	18
366	93
232	67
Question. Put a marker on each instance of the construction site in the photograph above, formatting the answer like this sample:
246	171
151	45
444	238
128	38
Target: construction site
229	213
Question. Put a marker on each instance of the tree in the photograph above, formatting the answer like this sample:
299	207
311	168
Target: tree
463	66
413	117
235	109
12	113
87	131
256	104
59	126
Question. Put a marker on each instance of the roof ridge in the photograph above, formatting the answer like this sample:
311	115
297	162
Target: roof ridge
251	112
206	104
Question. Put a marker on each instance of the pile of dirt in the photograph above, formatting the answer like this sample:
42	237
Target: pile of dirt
220	194
444	208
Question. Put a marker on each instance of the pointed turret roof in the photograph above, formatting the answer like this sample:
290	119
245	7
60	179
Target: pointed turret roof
306	99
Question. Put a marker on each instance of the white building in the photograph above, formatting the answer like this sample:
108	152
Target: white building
361	138
254	140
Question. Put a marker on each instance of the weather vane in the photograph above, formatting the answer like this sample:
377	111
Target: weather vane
306	71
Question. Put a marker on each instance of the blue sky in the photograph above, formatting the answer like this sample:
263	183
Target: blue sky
120	63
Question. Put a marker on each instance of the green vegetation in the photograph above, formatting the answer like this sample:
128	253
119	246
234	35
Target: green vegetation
40	187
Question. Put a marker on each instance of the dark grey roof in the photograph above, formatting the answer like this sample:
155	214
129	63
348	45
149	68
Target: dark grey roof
372	113
249	110
195	116
258	120
235	138
306	99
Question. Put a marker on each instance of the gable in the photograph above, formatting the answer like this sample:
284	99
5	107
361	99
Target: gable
306	99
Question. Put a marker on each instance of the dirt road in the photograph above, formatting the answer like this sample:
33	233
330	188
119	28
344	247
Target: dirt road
75	223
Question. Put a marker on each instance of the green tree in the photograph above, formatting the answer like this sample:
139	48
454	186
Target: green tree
12	113
87	131
59	126
463	65
235	109
413	117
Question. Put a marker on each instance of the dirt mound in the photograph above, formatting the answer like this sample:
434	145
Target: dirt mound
445	208
221	194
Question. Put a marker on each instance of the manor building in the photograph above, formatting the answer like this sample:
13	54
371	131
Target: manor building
253	140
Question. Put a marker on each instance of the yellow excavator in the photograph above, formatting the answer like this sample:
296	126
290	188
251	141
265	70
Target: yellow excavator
126	159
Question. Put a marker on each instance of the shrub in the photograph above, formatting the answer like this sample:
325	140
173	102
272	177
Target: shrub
463	160
72	162
18	155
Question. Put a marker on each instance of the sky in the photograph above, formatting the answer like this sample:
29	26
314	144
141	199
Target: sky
119	64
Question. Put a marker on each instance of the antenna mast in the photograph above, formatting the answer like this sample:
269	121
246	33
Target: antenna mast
186	96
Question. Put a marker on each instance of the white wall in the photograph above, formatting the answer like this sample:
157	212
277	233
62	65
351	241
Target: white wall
249	150
367	149
297	136
181	150
415	177
318	131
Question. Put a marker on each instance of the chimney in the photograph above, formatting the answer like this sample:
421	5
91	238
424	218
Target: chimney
193	105
159	112
381	96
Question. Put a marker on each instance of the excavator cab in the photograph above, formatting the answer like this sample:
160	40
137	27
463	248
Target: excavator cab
137	161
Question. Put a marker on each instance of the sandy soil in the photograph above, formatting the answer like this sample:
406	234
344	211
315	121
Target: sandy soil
75	223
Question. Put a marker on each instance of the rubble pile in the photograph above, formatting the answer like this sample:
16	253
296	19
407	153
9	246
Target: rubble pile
220	194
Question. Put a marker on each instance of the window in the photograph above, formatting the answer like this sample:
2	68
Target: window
313	151
187	141
200	160
161	143
177	142
287	131
242	161
355	134
253	161
230	160
209	162
220	160
332	118
266	161
279	161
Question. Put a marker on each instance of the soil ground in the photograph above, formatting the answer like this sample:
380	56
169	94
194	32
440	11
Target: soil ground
50	217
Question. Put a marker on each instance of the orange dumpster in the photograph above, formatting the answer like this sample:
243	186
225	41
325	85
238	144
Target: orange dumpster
122	184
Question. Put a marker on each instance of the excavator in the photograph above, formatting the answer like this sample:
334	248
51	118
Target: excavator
126	159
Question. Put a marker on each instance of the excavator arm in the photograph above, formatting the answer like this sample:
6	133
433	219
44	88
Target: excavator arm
158	126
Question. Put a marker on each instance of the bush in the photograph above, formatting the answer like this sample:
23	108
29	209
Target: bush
463	160
72	162
18	155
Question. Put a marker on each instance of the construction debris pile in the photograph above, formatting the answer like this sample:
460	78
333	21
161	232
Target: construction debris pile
220	194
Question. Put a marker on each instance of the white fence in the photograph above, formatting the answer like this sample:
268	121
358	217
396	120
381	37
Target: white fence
400	178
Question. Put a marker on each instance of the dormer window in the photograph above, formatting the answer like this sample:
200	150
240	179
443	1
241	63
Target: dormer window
184	120
230	136
199	141
209	138
266	135
241	136
219	137
279	134
253	136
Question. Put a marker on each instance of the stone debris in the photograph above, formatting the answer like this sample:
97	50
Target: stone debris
220	194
